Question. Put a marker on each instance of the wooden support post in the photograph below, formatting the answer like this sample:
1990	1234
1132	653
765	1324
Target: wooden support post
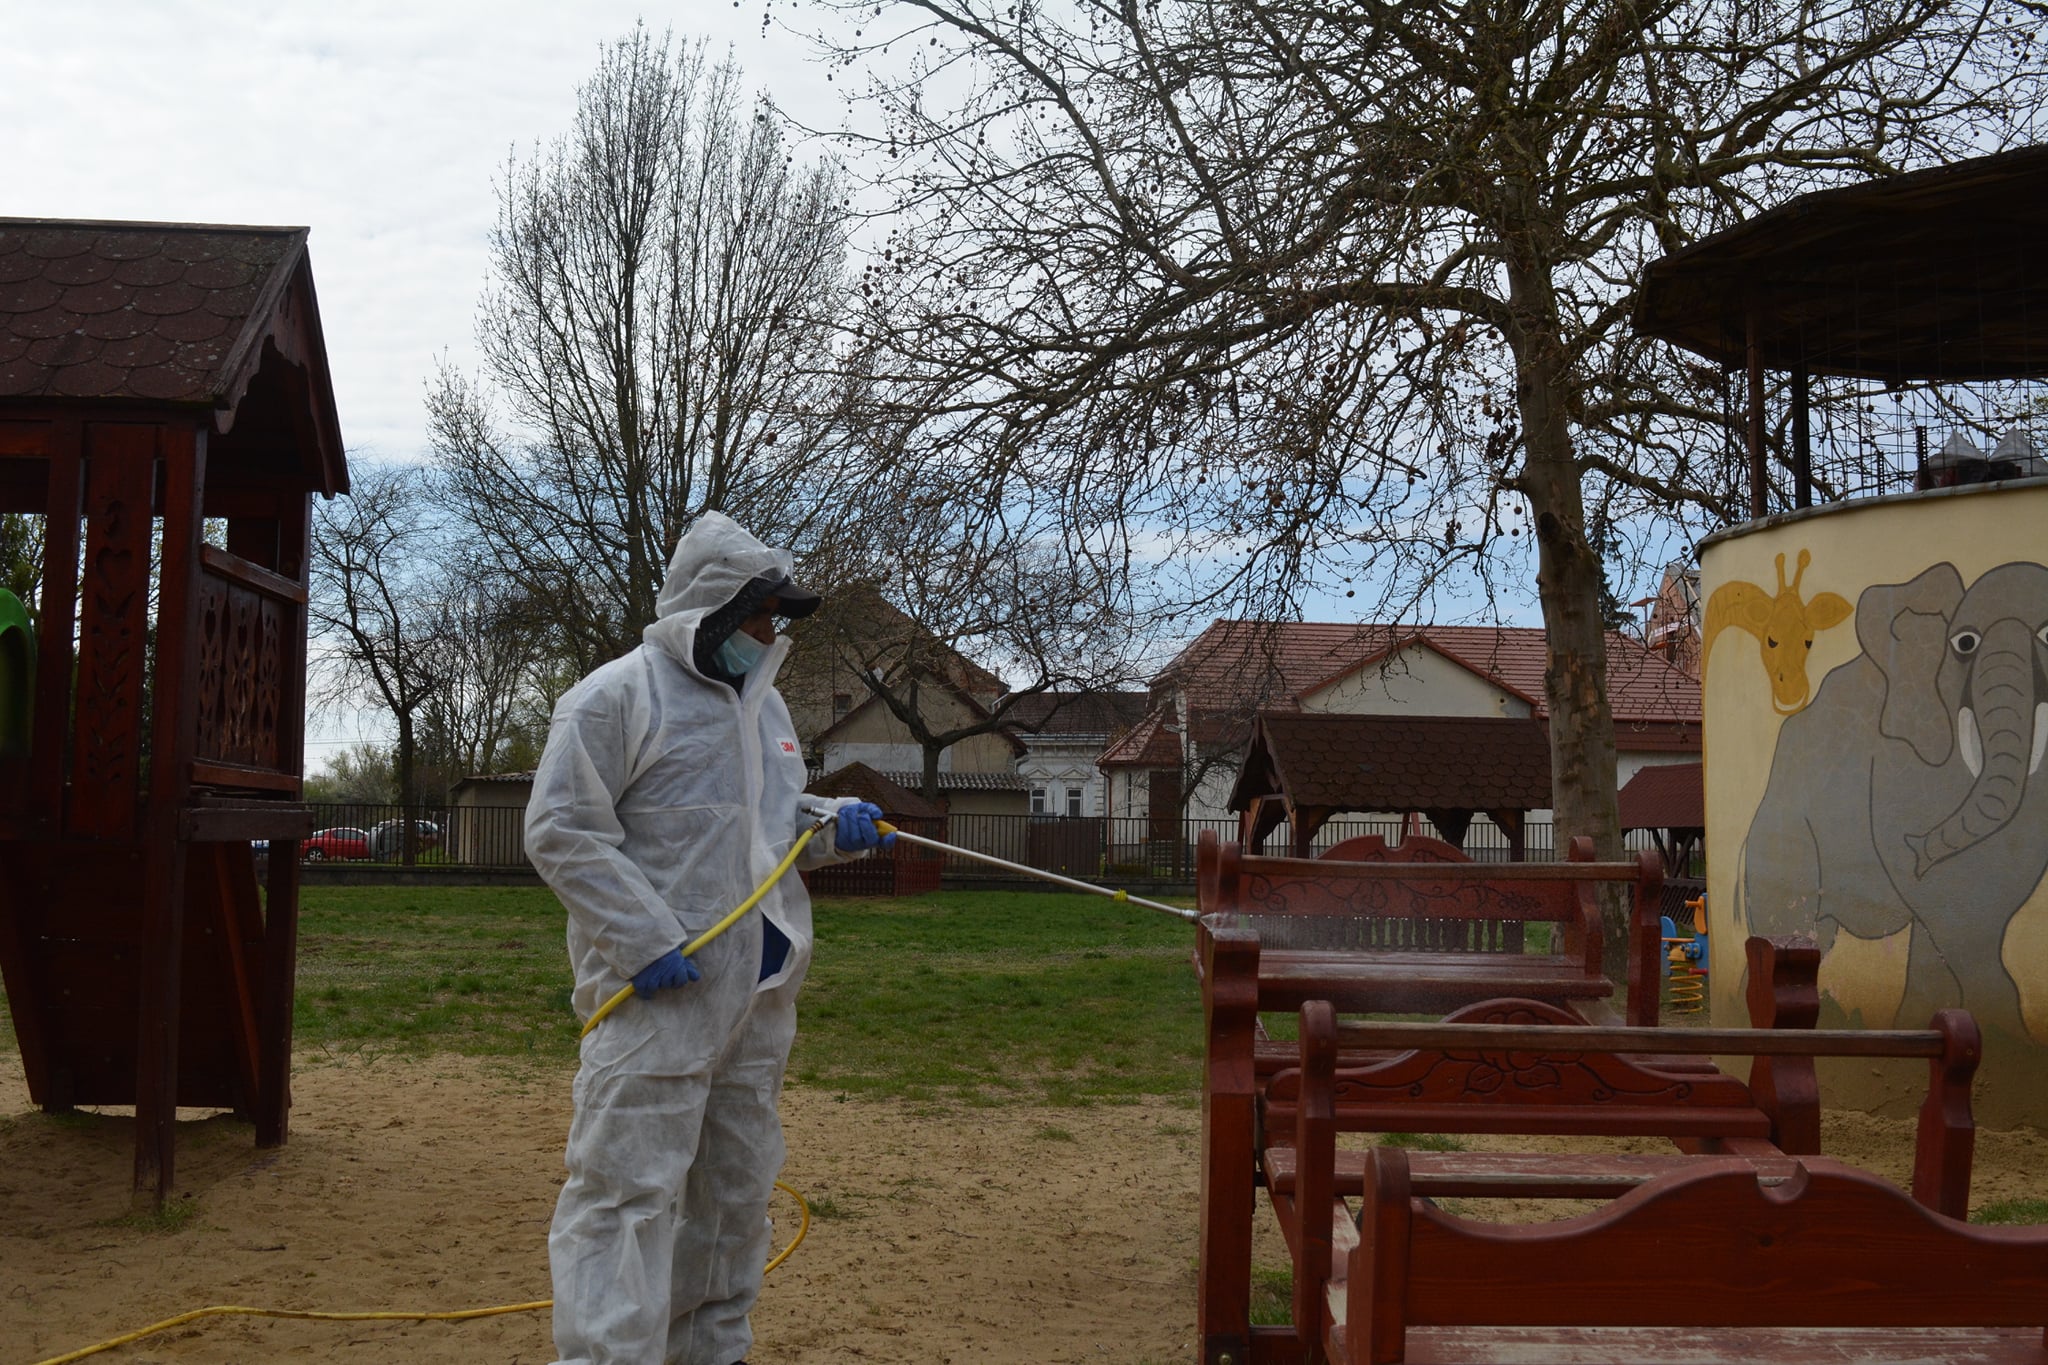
1315	1156
1376	1322
54	652
1783	994
1229	1200
1646	942
281	902
1946	1144
1759	483
1802	438
274	1020
174	723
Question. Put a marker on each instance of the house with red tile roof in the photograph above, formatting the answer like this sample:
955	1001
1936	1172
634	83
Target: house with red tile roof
1181	760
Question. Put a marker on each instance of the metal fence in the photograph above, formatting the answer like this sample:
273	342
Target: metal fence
1116	848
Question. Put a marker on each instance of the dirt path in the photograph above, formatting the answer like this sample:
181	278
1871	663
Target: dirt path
999	1235
1006	1235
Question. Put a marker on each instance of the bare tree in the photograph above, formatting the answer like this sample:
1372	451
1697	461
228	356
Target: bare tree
933	610
376	606
494	652
1279	295
358	774
21	560
657	339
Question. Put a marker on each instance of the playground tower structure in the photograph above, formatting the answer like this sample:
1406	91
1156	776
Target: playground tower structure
166	409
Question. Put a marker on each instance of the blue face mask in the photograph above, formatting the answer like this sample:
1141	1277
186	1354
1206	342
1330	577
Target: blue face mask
739	652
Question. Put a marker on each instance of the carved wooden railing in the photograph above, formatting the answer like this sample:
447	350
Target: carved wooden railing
246	629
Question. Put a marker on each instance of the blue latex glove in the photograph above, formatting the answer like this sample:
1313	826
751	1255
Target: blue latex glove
670	969
856	832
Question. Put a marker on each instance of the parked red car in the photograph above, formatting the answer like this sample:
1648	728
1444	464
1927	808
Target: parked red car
338	843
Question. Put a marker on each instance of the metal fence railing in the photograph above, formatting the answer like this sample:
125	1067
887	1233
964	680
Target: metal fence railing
1113	847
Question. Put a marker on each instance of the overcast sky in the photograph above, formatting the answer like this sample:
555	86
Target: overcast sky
380	124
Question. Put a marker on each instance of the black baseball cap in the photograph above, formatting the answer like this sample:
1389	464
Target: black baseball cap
793	600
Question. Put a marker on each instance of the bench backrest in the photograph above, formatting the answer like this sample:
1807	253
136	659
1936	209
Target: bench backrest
1500	1088
1427	906
1526	1067
1809	1243
1413	848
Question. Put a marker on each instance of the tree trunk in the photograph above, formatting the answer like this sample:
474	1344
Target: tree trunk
1569	581
931	771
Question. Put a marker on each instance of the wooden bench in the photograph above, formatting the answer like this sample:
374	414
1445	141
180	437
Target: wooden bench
1239	1112
1431	937
1560	1076
1783	1259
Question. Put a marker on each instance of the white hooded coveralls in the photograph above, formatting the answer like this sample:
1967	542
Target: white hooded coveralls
661	801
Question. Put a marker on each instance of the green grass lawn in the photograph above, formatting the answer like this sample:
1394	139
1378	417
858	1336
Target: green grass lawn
962	995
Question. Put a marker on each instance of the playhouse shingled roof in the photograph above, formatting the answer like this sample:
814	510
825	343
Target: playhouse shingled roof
164	314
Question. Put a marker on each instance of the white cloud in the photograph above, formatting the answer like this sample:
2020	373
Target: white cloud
378	123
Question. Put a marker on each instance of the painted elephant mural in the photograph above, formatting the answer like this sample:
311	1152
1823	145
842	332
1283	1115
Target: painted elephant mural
1909	793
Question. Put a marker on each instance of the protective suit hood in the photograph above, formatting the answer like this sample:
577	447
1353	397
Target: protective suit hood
714	560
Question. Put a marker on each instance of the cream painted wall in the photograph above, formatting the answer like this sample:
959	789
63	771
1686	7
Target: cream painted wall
872	735
1855	546
1417	679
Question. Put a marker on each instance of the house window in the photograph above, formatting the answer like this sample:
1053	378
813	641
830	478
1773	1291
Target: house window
1038	800
1073	800
842	702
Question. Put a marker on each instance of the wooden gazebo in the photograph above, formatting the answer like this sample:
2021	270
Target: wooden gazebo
165	407
1304	767
1670	801
1935	275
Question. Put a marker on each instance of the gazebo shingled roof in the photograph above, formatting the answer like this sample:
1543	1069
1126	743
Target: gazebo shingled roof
1669	796
1822	276
1312	765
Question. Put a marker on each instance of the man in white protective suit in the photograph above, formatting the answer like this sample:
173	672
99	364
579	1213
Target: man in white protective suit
668	791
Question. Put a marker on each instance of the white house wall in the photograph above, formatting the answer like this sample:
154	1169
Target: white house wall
886	758
1627	764
1061	766
1417	680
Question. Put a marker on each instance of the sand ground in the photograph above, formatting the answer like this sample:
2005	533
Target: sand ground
1006	1235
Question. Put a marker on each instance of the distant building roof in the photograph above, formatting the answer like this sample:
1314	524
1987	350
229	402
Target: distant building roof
1149	744
1233	660
481	779
1076	713
1669	796
963	782
1397	763
858	779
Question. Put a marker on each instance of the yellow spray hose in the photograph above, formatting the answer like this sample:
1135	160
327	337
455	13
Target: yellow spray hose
603	1011
462	1315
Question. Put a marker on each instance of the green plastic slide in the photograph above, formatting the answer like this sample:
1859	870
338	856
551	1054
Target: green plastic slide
17	676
